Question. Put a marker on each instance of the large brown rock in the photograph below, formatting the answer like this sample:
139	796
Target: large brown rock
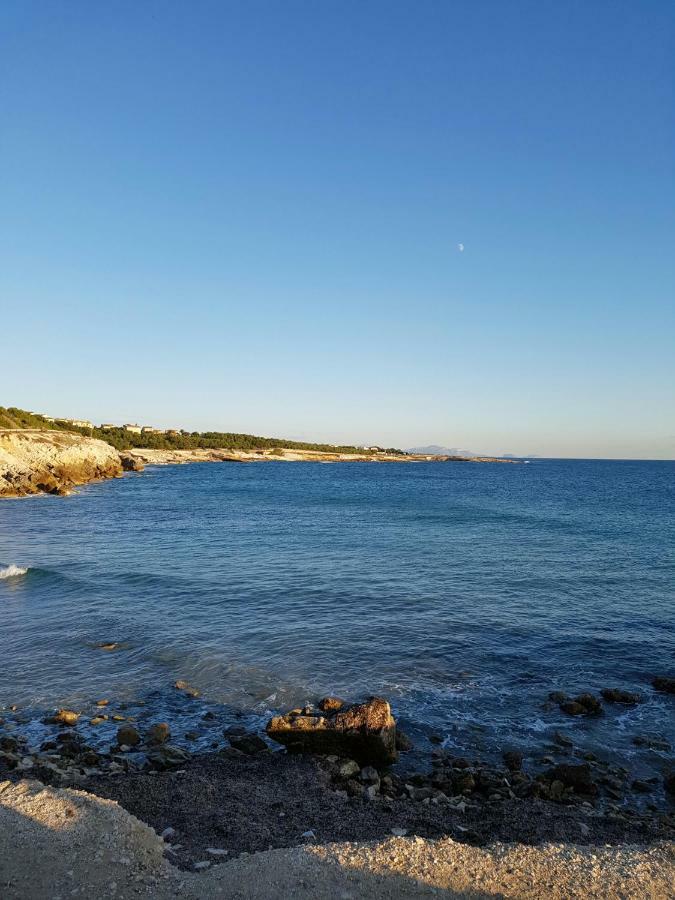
131	463
365	732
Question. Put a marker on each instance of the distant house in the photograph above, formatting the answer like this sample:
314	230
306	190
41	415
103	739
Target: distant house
108	427
78	423
134	429
172	432
147	429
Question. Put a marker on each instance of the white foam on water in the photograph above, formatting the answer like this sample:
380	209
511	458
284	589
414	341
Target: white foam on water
12	571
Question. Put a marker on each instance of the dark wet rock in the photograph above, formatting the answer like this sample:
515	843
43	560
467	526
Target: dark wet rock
330	704
89	758
513	760
403	742
248	744
583	705
186	688
234	731
572	708
363	731
616	695
664	683
578	777
669	784
463	782
109	646
459	762
558	697
435	738
8	743
168	757
128	736
159	733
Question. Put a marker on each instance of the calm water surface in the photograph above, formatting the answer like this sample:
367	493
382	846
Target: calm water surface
463	592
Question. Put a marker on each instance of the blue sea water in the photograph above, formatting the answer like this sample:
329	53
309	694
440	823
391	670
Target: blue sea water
462	592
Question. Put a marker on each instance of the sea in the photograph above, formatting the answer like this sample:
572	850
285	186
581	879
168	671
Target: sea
464	593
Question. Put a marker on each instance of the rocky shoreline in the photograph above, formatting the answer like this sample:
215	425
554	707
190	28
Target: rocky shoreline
52	462
335	781
34	461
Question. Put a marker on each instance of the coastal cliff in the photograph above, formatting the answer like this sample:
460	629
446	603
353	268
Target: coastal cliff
34	461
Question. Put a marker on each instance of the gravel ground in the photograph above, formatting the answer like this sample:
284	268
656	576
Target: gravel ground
268	801
58	843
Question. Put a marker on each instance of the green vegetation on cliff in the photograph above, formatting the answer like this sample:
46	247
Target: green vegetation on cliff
209	440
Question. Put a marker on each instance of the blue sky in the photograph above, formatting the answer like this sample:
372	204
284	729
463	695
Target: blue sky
247	216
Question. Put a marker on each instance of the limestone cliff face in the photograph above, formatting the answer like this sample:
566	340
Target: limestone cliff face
52	462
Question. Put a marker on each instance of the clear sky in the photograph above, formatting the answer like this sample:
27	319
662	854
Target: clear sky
248	216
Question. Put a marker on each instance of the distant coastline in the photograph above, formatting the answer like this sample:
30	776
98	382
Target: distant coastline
39	454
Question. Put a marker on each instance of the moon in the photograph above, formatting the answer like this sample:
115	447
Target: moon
460	247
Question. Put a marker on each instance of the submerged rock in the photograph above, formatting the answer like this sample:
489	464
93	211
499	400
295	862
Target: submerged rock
664	683
365	732
168	757
128	736
616	695
186	688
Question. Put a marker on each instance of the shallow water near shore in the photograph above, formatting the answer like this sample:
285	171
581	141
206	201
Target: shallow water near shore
462	592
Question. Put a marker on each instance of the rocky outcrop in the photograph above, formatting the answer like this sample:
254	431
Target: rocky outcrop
365	732
131	463
52	462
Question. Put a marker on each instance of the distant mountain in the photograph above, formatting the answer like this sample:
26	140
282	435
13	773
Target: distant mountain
437	450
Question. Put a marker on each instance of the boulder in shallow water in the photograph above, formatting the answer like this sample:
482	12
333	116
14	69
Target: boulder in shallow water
127	736
365	732
130	463
616	695
159	733
665	684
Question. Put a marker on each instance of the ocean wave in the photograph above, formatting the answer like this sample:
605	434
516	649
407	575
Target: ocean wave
12	571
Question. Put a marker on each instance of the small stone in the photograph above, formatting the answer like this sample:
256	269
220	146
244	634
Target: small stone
309	835
102	702
435	739
204	864
399	832
96	720
370	775
348	768
217	851
168	833
65	717
127	735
